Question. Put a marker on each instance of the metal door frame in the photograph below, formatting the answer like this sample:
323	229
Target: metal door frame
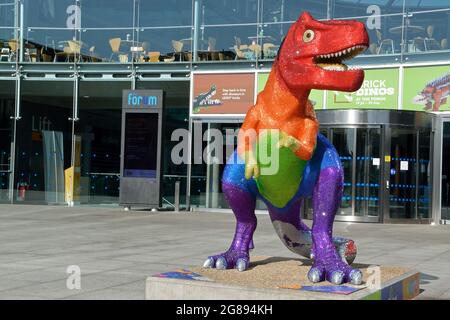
437	154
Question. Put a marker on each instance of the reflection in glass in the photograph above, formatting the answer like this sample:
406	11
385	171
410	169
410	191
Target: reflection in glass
424	176
8	34
403	170
359	8
234	42
98	134
344	142
172	44
228	30
367	179
206	186
385	38
44	141
427	32
445	189
276	18
7	90
175	117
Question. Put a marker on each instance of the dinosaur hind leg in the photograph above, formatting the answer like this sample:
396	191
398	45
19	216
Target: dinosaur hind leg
297	236
242	201
328	263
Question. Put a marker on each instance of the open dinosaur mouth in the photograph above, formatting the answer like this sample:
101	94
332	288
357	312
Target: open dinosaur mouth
333	61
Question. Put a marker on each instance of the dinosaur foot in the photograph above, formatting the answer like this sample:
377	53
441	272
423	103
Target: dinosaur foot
232	259
336	272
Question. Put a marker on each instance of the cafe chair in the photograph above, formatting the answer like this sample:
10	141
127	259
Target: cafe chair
172	59
153	56
240	46
255	50
13	45
212	53
177	48
114	43
418	44
123	58
212	44
45	57
239	49
75	50
65	54
444	44
72	51
31	54
384	44
270	50
240	55
4	54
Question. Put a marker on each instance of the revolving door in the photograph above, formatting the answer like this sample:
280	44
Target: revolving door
387	166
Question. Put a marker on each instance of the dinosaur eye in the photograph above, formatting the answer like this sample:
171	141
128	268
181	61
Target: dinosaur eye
308	36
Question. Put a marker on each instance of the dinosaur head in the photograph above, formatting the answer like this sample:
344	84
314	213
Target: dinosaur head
313	53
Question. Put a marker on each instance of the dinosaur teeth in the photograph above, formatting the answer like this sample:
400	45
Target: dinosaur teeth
333	67
333	61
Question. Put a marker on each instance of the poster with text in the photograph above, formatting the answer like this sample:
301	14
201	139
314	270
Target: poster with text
427	88
378	91
223	93
316	96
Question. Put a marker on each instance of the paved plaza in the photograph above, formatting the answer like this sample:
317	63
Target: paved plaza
116	250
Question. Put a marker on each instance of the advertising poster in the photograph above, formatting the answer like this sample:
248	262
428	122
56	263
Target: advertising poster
379	91
427	88
316	96
223	93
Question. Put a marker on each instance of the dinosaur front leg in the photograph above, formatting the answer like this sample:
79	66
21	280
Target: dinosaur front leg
327	262
242	202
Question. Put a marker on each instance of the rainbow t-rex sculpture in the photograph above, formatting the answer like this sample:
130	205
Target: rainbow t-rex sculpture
310	57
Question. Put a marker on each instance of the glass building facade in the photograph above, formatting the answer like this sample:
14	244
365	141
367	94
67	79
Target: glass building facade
64	64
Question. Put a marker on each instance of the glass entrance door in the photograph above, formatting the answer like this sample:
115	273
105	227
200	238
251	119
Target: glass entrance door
360	153
7	101
409	174
445	189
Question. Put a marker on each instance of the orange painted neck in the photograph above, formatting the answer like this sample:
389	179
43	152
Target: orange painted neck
278	100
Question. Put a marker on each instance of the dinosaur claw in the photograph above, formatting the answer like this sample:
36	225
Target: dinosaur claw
315	275
337	277
355	277
208	263
241	264
221	263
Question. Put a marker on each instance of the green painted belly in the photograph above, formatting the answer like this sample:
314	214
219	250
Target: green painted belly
280	176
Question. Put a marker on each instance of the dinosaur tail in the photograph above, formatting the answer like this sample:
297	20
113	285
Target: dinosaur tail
300	241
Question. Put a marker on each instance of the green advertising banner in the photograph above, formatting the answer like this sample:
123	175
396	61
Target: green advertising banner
316	96
379	91
426	88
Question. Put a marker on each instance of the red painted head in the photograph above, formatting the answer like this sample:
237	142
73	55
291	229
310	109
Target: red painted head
312	54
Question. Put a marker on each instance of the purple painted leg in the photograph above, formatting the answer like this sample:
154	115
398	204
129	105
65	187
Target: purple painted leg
327	262
242	202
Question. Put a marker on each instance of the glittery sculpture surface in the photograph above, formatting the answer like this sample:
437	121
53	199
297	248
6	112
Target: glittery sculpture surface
310	57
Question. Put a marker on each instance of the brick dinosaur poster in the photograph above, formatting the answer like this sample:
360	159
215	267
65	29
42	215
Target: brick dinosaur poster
223	93
379	91
427	88
316	96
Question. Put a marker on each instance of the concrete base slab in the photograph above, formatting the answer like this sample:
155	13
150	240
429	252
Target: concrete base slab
275	278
